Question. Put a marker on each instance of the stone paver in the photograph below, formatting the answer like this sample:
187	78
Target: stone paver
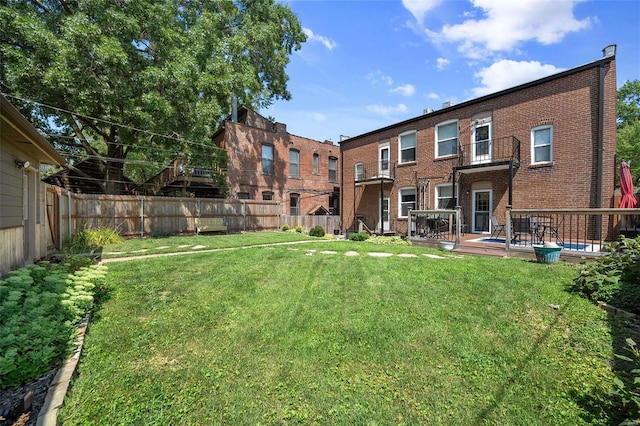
407	255
198	247
352	253
433	256
379	254
328	252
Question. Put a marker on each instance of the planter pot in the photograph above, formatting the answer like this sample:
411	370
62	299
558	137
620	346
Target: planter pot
446	245
547	254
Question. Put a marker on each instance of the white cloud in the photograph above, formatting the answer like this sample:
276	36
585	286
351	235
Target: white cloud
404	90
442	63
327	42
504	25
432	96
388	110
506	73
376	77
316	116
419	8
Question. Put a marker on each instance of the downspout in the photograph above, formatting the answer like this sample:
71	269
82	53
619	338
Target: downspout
342	191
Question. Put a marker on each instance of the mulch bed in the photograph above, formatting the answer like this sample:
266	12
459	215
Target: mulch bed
12	402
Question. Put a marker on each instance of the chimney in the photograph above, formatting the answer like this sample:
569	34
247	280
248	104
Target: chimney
610	50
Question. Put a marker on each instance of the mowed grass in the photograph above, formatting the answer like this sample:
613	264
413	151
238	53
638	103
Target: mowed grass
281	335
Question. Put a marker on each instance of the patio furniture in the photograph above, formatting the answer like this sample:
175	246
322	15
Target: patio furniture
496	228
520	226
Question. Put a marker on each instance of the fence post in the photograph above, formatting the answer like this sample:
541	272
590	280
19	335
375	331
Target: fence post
458	223
507	228
141	217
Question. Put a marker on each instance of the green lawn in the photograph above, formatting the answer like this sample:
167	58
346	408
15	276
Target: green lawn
281	335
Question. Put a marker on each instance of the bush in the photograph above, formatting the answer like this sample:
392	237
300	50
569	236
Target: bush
629	393
284	227
299	229
39	308
613	278
358	236
316	231
90	240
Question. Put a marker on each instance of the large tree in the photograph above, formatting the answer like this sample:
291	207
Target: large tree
629	127
168	67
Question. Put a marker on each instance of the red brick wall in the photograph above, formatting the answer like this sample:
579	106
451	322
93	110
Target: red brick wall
244	169
569	103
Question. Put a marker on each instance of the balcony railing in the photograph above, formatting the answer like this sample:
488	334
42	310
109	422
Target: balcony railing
375	170
490	152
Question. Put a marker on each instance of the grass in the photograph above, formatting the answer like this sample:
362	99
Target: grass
273	335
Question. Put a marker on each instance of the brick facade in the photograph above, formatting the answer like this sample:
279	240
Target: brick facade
565	105
250	176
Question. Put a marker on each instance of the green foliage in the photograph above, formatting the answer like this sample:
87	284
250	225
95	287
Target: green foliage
316	231
39	308
299	229
89	240
628	147
613	278
166	67
284	227
629	392
389	241
358	236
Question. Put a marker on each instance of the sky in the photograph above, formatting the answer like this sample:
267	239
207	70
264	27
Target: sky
368	64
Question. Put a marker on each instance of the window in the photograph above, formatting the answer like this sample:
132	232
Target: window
407	144
359	172
447	139
294	205
407	198
444	196
316	164
542	144
384	160
267	159
294	163
333	169
243	196
267	196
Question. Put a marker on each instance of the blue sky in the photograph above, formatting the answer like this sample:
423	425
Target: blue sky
368	64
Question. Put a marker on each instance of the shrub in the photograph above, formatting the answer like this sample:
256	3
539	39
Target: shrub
629	393
316	231
358	236
284	227
89	240
613	278
299	229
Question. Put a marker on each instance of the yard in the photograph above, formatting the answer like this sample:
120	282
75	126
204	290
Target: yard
307	334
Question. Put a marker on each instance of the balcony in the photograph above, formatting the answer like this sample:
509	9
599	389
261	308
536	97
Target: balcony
375	172
490	154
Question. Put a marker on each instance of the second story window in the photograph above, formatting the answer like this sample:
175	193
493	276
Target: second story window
316	164
447	139
542	145
407	146
359	172
294	163
333	169
267	159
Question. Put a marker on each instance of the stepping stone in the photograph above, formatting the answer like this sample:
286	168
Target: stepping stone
328	252
352	253
162	247
184	245
114	252
407	255
139	251
198	247
433	256
379	254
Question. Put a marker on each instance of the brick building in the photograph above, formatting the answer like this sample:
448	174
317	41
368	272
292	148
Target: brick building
264	162
549	143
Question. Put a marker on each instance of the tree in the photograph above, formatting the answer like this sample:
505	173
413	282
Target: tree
629	126
170	68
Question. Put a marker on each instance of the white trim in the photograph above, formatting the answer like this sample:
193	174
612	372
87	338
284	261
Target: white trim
550	145
436	140
415	193
415	146
473	210
484	158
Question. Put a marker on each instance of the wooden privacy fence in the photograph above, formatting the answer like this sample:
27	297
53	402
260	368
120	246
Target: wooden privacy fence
130	215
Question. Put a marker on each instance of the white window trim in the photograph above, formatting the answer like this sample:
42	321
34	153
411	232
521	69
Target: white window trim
533	147
435	137
415	147
415	193
437	192
291	163
355	171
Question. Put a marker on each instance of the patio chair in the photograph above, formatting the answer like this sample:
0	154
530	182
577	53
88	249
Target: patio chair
496	228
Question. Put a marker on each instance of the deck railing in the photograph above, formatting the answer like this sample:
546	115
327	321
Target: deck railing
577	231
490	151
382	169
